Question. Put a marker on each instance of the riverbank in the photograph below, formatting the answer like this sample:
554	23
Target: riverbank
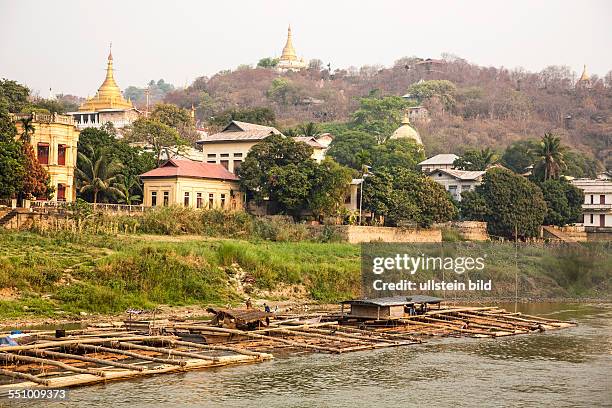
72	277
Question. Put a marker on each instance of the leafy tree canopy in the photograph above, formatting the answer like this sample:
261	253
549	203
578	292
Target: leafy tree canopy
379	117
259	115
159	136
476	159
352	148
268	62
406	197
443	90
563	201
506	200
520	155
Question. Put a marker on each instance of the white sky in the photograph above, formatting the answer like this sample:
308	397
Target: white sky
63	44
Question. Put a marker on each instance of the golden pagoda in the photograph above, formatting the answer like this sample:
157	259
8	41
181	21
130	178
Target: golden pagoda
108	105
585	80
108	95
289	60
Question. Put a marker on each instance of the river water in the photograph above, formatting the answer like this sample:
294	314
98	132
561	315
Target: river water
565	368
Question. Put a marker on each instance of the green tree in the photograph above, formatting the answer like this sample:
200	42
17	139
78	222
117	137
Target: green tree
130	190
406	197
520	155
476	159
379	116
267	62
27	129
159	136
580	165
97	175
404	153
506	201
352	148
550	154
443	90
15	95
330	186
172	115
563	201
272	166
283	91
12	160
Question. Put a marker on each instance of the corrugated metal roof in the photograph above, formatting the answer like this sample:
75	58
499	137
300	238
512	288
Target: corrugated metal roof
240	131
461	174
438	159
394	300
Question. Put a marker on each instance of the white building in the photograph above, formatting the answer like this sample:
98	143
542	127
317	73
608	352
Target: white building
438	162
597	207
457	181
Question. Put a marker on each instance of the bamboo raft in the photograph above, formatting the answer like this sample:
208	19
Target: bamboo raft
142	348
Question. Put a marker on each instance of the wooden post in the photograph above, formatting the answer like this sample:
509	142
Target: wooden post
131	354
88	359
24	376
14	357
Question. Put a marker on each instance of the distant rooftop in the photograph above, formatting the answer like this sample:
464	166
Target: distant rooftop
240	131
439	159
309	140
461	174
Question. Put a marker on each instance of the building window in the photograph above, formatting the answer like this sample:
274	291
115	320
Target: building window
592	221
592	199
222	200
61	155
61	192
43	153
237	154
465	187
602	199
211	201
153	198
186	199
199	200
166	198
237	164
212	155
224	154
225	163
211	161
453	191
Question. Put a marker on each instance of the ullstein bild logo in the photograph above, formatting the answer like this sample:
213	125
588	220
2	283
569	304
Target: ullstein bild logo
388	273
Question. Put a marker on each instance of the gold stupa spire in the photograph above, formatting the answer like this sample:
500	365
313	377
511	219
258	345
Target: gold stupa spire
585	76
109	94
406	118
288	51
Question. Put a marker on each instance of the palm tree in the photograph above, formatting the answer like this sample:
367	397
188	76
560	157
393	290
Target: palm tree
28	129
96	174
309	129
128	186
551	155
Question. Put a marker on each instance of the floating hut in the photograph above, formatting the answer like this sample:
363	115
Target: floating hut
385	308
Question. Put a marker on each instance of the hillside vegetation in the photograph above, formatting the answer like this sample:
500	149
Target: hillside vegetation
483	106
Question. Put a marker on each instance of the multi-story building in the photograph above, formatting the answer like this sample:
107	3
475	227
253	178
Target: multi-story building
230	147
55	141
597	207
457	181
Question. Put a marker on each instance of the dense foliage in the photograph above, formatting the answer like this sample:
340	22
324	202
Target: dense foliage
508	202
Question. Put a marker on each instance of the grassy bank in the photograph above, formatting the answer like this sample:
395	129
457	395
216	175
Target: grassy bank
65	273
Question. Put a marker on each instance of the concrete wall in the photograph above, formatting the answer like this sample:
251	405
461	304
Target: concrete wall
469	230
356	234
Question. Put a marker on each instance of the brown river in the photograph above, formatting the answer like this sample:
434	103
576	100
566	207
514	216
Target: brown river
564	368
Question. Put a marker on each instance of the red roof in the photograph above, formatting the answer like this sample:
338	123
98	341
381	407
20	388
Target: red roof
189	168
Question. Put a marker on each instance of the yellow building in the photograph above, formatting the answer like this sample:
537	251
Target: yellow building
289	60
192	184
55	141
108	105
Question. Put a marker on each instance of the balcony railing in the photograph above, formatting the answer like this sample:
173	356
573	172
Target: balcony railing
597	207
45	118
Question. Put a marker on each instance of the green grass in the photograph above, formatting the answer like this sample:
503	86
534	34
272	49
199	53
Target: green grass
67	273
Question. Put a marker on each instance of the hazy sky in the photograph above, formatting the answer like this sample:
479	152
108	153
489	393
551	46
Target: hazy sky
64	44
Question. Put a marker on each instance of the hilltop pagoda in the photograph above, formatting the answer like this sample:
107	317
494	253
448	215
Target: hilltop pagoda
289	60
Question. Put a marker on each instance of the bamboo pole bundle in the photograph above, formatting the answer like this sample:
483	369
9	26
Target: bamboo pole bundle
216	347
131	354
60	343
24	376
168	351
15	357
88	359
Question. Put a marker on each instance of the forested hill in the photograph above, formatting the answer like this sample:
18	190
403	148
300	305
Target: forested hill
480	107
